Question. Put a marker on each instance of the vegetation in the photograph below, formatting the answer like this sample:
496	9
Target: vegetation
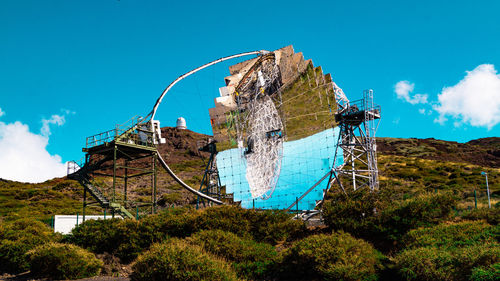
336	256
63	261
452	235
123	238
455	251
17	238
249	259
42	200
374	216
434	263
263	226
492	216
423	220
178	260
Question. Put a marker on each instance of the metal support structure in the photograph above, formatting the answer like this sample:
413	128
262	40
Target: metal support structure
129	155
210	183
487	188
358	122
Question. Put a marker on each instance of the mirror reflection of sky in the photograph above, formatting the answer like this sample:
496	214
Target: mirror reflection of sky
304	162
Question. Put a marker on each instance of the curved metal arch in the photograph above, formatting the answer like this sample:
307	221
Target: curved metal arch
152	114
158	101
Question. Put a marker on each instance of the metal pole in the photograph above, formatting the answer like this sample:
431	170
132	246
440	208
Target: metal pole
114	175
475	199
488	191
84	202
297	205
76	219
154	183
487	188
125	184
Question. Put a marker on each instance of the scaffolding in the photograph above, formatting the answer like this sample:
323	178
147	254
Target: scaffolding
126	153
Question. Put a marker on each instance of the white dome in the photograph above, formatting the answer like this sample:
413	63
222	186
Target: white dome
181	123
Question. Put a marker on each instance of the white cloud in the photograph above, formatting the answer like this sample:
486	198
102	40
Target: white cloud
421	111
23	154
1	112
403	90
58	120
475	100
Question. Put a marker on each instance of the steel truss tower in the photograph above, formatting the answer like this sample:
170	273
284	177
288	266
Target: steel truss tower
358	122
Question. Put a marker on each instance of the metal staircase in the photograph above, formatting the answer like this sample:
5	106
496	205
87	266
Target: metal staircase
78	173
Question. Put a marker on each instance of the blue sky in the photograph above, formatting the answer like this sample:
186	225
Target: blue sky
98	63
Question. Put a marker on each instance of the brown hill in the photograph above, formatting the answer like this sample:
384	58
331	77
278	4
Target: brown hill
483	152
409	165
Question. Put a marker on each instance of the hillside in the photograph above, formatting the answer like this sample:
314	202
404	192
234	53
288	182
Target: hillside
415	178
483	152
407	166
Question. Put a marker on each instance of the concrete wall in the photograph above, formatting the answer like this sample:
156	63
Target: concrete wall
64	224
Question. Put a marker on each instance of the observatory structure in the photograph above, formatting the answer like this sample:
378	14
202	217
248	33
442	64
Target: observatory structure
181	123
283	134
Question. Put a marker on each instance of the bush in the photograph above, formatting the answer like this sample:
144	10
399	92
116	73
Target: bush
372	217
99	236
175	222
269	226
353	212
17	238
63	261
423	210
127	238
123	238
178	260
250	259
490	273
338	256
452	235
431	263
492	216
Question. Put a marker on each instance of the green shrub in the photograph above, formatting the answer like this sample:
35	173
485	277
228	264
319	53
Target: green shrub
97	235
127	238
123	238
250	259
178	260
269	226
452	235
423	210
353	212
373	216
431	263
490	273
273	226
63	261
338	256
492	216
17	238
174	222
